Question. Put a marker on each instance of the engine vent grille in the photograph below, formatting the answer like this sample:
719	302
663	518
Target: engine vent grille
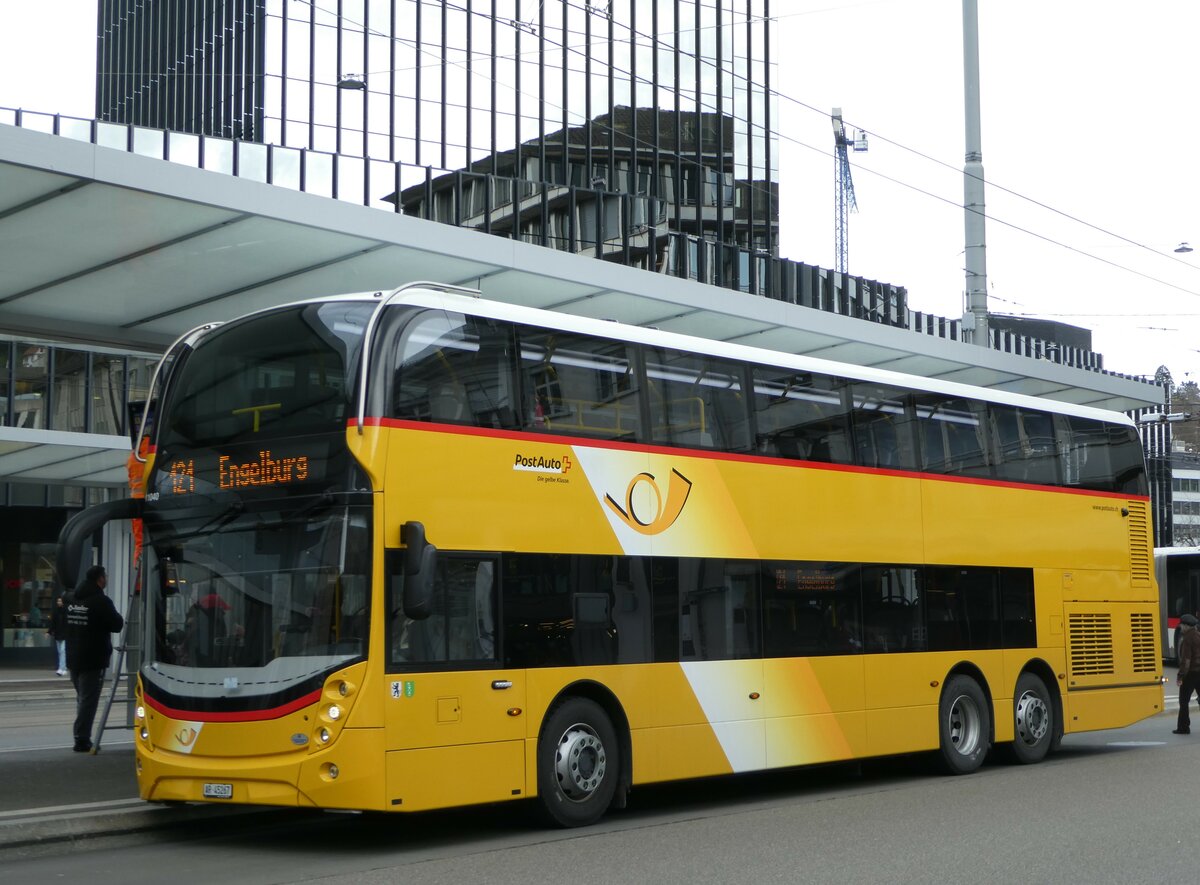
1091	644
1141	554
1141	628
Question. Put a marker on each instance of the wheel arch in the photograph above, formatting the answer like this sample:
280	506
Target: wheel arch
1041	668
966	668
604	697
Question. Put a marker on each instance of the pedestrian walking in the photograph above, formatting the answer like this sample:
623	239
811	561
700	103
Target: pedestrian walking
91	620
57	631
1188	679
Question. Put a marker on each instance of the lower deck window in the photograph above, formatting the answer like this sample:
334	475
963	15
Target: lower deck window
557	610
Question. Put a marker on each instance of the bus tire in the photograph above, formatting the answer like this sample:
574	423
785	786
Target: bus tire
964	725
1034	720
578	763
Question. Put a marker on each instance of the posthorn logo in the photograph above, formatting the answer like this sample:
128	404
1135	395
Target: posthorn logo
662	513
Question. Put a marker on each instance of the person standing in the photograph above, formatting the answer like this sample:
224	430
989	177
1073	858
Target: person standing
58	633
1188	679
91	620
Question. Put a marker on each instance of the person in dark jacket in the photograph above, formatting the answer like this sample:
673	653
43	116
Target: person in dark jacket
1188	679
91	620
58	632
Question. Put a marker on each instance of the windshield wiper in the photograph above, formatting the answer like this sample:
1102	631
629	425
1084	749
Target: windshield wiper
222	519
323	501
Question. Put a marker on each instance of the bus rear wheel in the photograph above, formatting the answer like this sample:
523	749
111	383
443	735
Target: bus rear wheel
1033	720
578	762
964	725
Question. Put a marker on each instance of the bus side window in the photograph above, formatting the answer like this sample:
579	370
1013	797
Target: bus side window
698	401
810	608
893	608
883	427
953	435
1085	453
801	415
578	385
455	369
719	614
461	625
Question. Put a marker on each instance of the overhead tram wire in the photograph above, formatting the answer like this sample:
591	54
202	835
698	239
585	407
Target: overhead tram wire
1011	192
769	91
776	92
437	61
954	168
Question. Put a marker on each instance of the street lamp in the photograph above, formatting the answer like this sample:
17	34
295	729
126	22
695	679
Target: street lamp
1183	248
356	81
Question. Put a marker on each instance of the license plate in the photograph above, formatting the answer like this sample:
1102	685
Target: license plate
218	791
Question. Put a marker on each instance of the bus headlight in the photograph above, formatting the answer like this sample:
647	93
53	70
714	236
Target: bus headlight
139	712
323	735
334	712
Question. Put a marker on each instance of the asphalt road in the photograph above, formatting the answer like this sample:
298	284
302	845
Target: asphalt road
1110	807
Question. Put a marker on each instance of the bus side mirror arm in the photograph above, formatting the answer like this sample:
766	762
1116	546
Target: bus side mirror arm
420	567
79	530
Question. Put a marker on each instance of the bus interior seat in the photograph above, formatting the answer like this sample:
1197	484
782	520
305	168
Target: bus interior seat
448	402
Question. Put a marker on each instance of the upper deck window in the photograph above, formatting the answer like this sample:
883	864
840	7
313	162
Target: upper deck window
455	369
285	373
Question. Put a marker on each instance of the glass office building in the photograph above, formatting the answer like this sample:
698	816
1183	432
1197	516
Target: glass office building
638	131
665	99
52	387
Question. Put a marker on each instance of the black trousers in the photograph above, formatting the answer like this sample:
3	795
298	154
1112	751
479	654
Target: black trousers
1191	683
87	697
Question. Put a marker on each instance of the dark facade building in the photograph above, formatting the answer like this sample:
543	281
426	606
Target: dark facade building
451	85
183	65
651	124
1057	337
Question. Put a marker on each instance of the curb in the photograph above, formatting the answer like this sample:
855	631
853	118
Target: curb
36	694
121	817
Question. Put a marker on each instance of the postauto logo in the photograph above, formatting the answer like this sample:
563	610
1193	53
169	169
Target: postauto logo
655	519
542	464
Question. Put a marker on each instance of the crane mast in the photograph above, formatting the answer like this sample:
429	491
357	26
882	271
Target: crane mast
843	186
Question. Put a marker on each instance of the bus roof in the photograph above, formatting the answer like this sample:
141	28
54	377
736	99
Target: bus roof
436	297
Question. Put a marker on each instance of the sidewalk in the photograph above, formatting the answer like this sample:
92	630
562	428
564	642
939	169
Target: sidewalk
52	794
27	683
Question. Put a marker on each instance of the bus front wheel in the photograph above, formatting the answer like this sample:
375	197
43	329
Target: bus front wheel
578	762
1033	720
964	725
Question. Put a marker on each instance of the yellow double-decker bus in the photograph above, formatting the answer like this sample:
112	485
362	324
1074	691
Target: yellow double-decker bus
417	549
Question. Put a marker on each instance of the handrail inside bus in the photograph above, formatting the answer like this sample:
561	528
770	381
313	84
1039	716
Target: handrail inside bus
370	331
197	331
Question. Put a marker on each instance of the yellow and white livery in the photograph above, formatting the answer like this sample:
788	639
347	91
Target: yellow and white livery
420	550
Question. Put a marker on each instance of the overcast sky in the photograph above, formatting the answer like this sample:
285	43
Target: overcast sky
1089	140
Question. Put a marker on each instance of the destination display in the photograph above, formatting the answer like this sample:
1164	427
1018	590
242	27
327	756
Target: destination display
277	467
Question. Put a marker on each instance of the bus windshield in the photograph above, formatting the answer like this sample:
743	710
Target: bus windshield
266	597
257	518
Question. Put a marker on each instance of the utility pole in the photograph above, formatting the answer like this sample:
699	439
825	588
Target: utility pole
975	314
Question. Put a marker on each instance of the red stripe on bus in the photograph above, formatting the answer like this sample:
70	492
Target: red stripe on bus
573	441
240	716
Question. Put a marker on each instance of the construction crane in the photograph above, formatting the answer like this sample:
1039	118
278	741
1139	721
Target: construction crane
843	186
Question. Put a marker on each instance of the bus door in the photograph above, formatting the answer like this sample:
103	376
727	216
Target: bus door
720	653
450	708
